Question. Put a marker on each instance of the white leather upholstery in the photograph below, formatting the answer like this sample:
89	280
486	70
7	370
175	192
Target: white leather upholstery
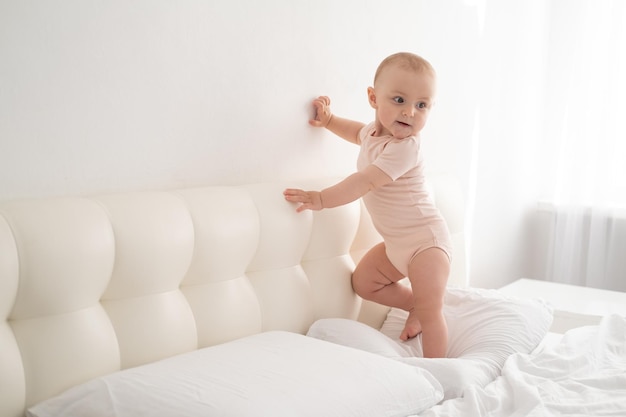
95	284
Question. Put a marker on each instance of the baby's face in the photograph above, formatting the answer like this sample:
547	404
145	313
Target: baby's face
402	99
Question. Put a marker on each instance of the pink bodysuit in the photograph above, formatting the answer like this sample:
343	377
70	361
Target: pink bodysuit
402	211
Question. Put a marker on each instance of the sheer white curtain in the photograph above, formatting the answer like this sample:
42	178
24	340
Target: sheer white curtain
585	142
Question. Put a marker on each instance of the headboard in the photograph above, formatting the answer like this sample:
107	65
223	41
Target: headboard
91	285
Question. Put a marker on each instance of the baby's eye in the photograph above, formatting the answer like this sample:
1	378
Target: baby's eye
422	105
398	100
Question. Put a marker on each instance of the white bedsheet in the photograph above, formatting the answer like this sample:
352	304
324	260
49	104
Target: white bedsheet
583	375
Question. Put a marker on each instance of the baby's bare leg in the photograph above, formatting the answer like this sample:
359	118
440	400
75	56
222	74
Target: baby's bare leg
428	273
376	279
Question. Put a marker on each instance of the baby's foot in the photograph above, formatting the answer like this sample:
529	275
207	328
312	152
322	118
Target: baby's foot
412	327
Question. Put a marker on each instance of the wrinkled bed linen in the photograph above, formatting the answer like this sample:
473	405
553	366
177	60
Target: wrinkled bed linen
484	328
583	375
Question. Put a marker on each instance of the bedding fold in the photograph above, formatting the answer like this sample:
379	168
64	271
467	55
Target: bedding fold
583	375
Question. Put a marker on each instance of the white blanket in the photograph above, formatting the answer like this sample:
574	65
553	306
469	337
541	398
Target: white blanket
583	375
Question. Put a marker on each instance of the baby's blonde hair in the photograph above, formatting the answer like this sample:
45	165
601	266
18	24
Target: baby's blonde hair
405	60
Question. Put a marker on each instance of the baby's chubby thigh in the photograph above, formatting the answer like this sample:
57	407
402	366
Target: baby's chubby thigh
375	277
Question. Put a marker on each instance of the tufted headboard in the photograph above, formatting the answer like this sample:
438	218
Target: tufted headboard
91	285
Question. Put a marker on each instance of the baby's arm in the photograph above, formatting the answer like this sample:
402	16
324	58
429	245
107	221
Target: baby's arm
344	192
344	128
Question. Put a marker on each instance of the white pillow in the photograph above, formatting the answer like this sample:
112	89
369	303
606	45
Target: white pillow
269	374
484	329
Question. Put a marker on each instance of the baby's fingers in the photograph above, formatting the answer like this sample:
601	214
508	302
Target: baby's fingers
318	108
295	195
298	196
323	100
322	112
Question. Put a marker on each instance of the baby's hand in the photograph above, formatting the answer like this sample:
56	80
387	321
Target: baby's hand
309	200
322	112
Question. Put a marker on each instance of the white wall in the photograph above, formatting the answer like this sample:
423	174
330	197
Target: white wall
113	95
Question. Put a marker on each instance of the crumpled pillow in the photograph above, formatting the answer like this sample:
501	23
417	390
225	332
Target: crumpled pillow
484	329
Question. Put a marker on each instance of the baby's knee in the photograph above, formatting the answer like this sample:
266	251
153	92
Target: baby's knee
358	283
366	285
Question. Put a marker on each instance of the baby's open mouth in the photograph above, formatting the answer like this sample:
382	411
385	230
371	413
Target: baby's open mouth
403	124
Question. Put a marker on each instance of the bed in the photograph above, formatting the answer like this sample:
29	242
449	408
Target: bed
222	301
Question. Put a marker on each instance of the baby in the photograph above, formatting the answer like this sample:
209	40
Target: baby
416	242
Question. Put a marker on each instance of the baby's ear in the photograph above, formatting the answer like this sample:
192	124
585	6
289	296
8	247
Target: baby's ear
371	97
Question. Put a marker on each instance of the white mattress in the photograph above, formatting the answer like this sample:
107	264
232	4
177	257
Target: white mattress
573	306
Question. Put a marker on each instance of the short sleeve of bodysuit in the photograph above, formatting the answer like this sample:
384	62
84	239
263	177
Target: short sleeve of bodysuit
398	156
